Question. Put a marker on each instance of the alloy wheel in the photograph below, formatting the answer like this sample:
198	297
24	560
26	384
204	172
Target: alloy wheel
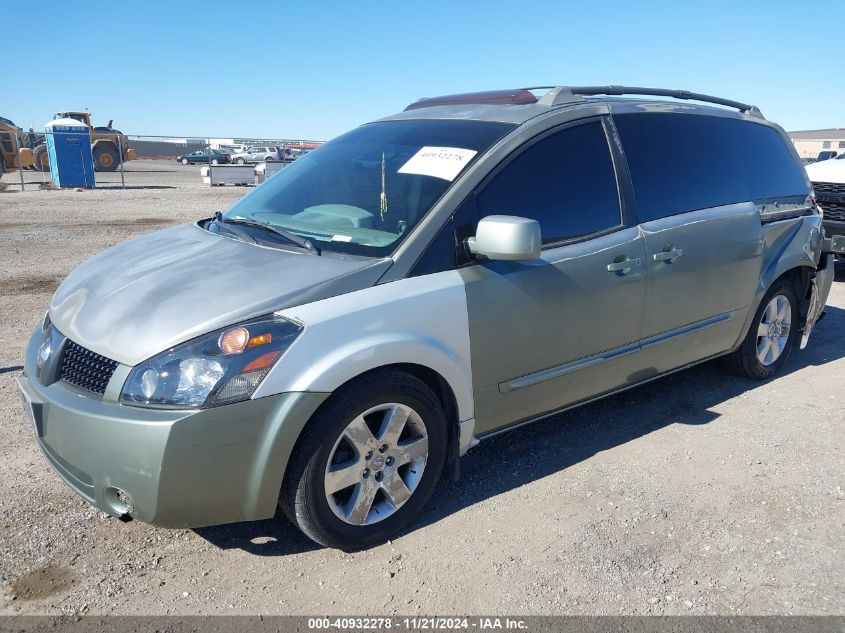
773	330
376	464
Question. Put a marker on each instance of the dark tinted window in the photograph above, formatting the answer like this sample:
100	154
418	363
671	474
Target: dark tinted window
565	181
439	255
770	165
680	163
684	162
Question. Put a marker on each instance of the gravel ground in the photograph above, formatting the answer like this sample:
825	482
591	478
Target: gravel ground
697	494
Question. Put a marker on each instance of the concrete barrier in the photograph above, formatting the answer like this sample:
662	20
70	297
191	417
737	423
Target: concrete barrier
228	175
264	170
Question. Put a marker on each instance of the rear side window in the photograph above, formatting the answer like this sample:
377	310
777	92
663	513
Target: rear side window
771	168
565	181
685	162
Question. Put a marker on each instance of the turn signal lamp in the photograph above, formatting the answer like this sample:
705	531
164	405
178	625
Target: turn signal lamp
260	339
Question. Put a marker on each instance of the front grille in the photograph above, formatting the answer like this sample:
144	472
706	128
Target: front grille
828	187
832	211
84	369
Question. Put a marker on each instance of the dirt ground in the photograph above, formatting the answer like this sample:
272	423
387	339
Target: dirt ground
697	494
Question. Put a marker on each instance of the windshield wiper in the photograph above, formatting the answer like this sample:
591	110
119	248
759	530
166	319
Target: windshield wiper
293	238
218	220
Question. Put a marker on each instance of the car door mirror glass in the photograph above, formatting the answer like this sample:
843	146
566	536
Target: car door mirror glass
506	237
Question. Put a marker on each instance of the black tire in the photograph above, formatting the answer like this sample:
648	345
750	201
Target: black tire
303	498
744	361
42	159
106	157
240	161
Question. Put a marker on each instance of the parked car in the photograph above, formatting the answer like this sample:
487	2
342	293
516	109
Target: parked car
204	156
828	178
231	150
341	336
826	155
255	155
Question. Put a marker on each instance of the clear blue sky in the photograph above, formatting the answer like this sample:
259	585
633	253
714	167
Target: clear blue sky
314	69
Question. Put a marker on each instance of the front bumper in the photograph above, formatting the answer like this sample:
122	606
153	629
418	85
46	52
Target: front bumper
187	468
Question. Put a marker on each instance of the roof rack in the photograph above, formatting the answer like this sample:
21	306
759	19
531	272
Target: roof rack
567	94
558	95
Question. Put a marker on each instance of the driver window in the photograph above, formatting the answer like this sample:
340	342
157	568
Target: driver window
565	181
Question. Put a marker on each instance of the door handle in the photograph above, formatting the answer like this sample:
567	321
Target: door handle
668	256
623	266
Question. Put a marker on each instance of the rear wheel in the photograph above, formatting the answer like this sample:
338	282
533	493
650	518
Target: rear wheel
239	161
771	337
214	161
367	462
42	158
185	161
106	158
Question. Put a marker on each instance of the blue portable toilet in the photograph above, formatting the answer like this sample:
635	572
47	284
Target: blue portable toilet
69	150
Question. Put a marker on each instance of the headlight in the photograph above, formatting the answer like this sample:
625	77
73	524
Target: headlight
220	367
46	348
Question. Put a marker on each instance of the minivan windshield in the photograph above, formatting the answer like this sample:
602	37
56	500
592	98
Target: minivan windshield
364	191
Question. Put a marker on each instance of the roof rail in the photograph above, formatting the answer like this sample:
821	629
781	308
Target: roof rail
567	94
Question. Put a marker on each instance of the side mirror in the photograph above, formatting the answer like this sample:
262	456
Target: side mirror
506	237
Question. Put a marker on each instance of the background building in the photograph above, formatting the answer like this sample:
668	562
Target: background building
810	142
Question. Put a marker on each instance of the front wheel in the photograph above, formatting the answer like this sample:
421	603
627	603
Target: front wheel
367	461
771	337
214	161
106	158
185	161
240	161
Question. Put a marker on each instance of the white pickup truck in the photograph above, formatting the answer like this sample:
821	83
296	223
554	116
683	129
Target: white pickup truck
828	178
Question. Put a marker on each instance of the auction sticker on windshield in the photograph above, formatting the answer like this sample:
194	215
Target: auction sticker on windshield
439	162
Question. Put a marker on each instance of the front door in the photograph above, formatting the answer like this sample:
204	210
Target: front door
554	331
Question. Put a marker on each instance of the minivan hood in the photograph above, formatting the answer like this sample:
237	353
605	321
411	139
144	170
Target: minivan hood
141	297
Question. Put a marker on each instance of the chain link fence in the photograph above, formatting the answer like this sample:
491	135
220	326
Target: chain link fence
152	161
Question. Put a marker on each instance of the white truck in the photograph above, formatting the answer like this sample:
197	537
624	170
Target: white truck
828	178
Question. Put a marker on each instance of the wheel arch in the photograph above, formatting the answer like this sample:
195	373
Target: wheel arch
799	276
272	476
791	249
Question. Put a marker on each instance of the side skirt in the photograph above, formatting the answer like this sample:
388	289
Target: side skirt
581	403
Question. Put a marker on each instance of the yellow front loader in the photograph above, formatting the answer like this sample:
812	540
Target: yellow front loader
106	145
12	155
